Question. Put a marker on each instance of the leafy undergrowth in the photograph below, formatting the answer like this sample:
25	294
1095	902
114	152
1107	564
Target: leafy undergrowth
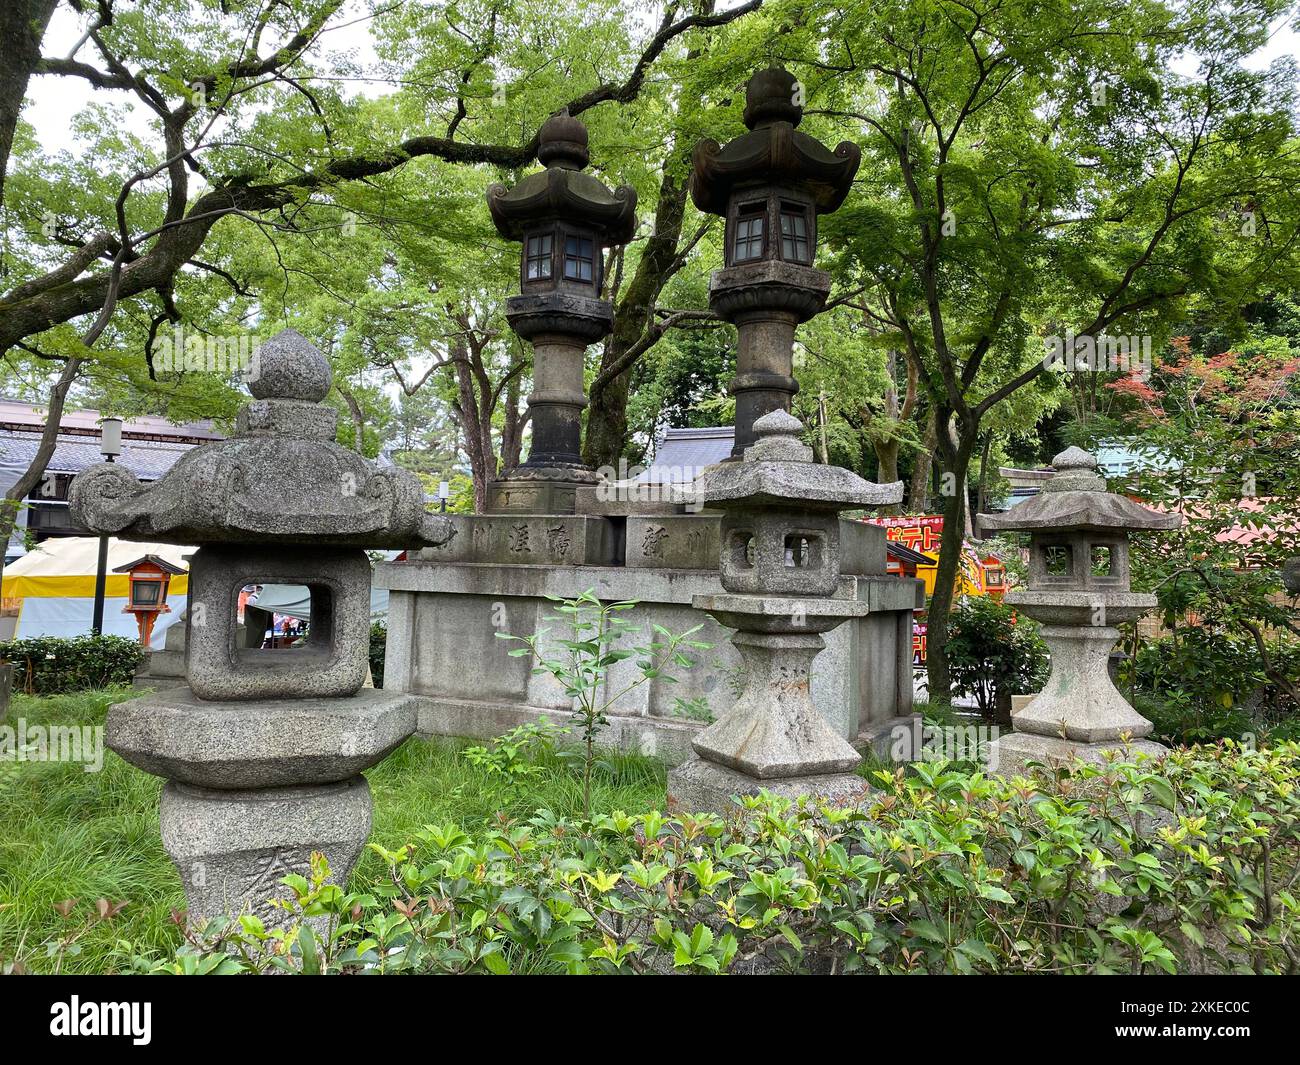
66	834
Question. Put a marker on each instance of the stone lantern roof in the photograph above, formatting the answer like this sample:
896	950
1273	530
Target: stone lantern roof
1075	498
562	192
281	479
778	470
773	152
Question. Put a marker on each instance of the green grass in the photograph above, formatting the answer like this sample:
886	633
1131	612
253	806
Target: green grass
66	833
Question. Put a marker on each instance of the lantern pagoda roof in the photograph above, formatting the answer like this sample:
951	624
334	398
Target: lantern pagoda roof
280	479
778	470
1075	498
563	192
773	152
150	560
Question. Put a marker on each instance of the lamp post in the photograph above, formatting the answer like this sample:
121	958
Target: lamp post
110	446
444	493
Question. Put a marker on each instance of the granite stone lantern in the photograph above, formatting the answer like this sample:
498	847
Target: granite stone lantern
1079	590
263	750
563	219
780	566
769	184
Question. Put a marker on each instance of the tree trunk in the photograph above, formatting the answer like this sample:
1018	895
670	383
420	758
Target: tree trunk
22	28
955	455
22	488
918	494
982	497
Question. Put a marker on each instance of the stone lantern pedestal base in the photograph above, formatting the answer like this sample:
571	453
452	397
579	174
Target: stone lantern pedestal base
1010	755
773	737
697	785
254	787
232	848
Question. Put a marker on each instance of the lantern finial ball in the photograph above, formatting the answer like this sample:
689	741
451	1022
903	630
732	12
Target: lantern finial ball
562	142
770	96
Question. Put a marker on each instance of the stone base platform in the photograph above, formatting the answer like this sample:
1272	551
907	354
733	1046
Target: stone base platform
1010	754
697	786
232	848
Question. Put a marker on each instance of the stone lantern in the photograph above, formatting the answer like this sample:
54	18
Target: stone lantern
770	185
780	566
563	219
1079	591
263	750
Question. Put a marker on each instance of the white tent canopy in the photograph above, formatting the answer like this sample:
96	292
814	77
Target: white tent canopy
52	587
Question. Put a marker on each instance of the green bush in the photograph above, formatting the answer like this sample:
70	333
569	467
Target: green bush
1135	868
54	665
993	654
1201	685
378	647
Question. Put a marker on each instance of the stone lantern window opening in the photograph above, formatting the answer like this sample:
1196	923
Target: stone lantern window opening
796	243
1101	560
742	548
750	228
332	655
580	259
1058	562
803	550
1078	559
538	257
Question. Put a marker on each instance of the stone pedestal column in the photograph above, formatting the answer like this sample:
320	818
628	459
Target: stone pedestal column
559	325
773	738
1079	713
780	564
766	302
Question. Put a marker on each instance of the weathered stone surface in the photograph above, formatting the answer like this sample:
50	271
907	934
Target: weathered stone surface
1075	497
233	847
435	610
259	744
1079	700
288	366
518	494
774	730
772	152
738	293
534	539
625	500
1011	754
333	659
287	417
681	541
560	314
698	785
780	530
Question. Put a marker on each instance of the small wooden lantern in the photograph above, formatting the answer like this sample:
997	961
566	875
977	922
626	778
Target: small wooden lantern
147	598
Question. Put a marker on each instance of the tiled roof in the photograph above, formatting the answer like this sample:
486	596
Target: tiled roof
683	453
15	414
147	459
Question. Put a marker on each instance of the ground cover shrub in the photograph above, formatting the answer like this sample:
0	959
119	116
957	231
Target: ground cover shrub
1201	685
993	654
1182	865
54	665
